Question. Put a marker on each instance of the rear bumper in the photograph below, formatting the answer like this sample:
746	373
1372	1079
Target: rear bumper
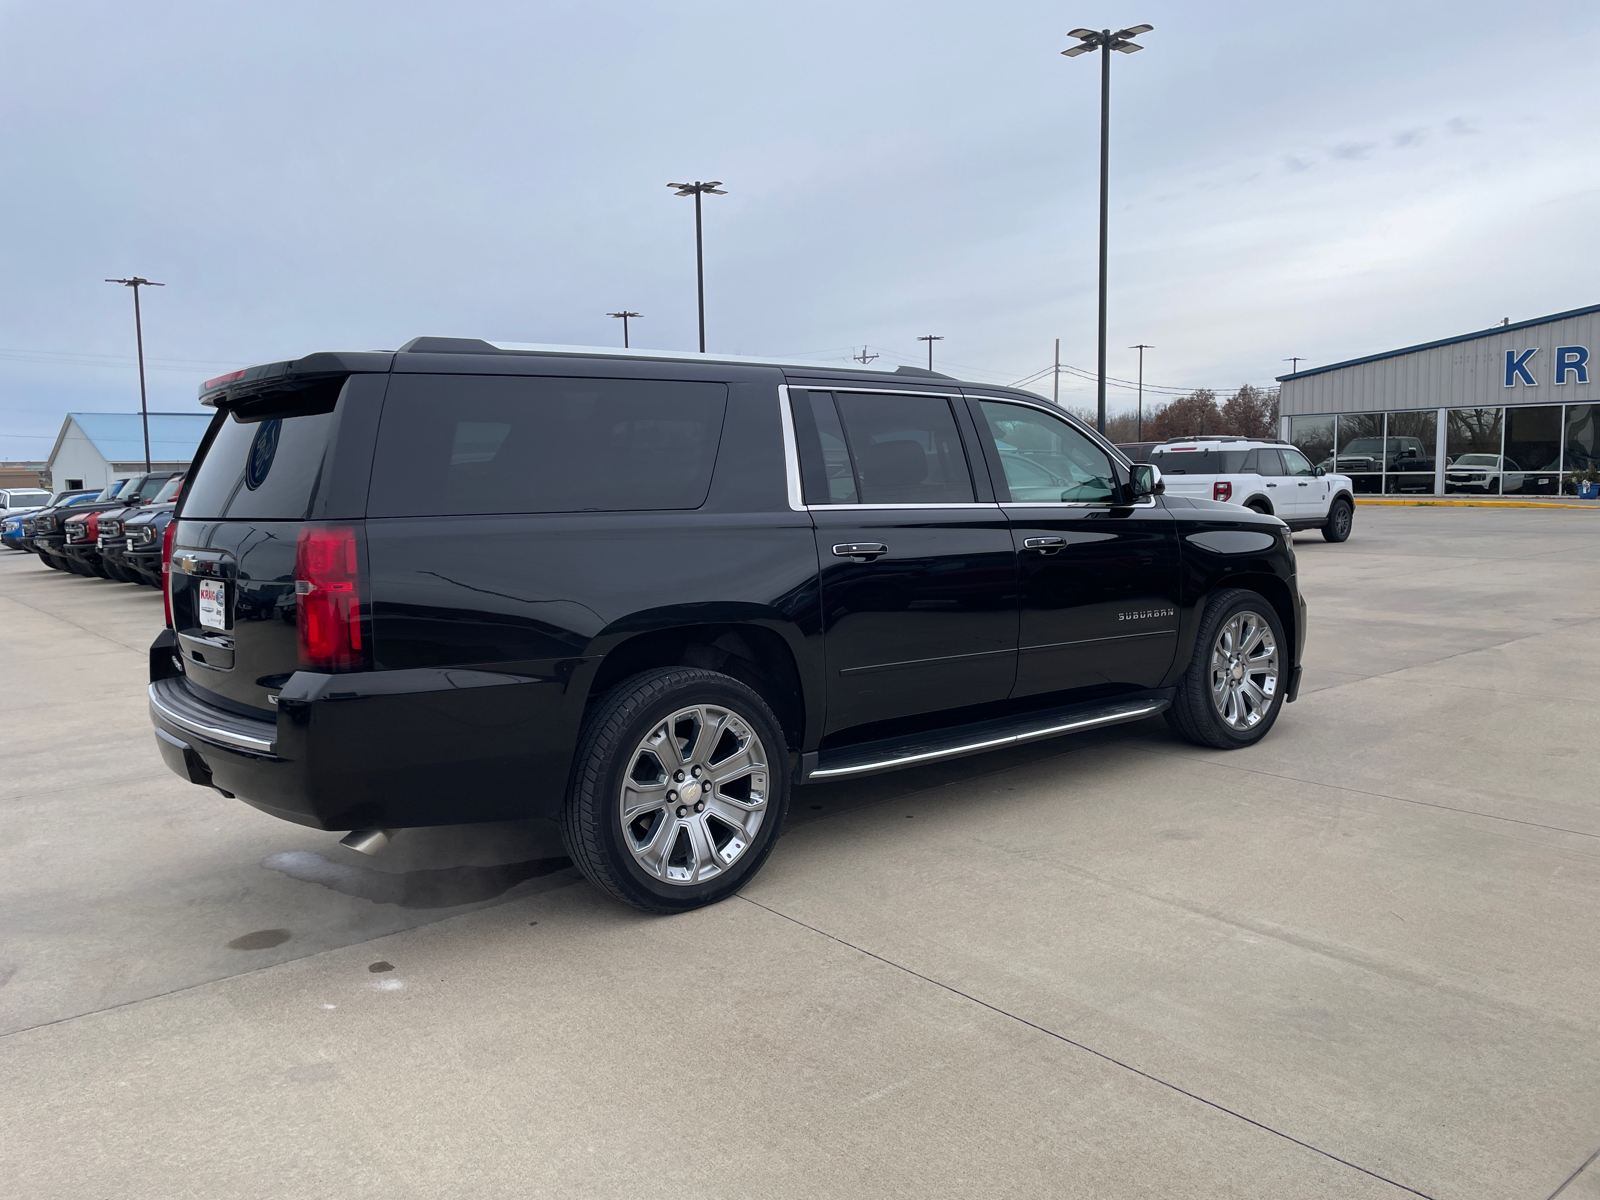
380	749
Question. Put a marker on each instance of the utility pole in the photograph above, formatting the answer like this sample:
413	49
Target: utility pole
1141	348
138	334
625	314
698	189
1294	364
1055	380
930	339
863	358
1105	41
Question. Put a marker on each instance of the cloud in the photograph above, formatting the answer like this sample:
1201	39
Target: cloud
1461	127
1354	151
1294	164
1410	137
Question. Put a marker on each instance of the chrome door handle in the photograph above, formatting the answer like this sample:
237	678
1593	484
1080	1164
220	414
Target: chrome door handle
1044	545
860	551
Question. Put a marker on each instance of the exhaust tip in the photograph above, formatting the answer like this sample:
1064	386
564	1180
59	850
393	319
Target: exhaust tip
366	841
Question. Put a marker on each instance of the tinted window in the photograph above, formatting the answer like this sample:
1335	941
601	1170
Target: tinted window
1268	462
825	471
267	467
1046	459
904	449
452	445
1199	462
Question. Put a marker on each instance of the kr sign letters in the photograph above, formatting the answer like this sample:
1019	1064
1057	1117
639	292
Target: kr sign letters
1571	365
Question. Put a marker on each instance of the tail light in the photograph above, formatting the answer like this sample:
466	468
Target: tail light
1222	490
166	568
327	586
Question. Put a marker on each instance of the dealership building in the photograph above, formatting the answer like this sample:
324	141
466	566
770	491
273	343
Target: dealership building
1503	411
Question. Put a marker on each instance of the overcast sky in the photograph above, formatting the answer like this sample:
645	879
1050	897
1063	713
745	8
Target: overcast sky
1324	181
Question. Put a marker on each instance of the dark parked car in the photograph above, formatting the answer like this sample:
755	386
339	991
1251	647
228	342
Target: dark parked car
647	594
19	530
83	544
48	526
142	534
117	527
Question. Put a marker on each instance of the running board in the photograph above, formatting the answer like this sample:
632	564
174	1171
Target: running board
893	753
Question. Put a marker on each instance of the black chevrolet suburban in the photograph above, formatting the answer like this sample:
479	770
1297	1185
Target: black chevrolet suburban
645	595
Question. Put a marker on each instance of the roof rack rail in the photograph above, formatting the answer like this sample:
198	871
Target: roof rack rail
1221	437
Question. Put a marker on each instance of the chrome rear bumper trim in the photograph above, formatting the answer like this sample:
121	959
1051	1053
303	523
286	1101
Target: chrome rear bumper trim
171	702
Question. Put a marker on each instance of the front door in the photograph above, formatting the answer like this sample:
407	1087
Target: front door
1098	581
1309	494
918	572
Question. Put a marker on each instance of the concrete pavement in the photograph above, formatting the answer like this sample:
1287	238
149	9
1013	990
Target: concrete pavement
1356	960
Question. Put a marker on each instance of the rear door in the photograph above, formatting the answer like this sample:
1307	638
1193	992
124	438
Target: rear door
1098	581
264	471
1278	489
918	570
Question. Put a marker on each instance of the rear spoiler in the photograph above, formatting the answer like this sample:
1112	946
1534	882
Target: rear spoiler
272	381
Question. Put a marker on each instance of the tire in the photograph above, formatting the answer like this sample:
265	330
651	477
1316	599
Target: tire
1341	517
666	856
1215	710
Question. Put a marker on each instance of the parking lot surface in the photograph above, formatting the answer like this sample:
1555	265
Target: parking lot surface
1355	960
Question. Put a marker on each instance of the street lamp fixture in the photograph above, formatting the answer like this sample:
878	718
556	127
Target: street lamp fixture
698	189
138	334
1105	41
625	314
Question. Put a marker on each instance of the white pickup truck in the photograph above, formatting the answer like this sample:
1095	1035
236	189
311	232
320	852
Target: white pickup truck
1268	476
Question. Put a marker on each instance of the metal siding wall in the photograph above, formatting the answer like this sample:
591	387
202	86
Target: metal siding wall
1462	375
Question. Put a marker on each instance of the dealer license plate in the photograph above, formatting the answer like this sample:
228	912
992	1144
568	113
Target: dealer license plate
213	604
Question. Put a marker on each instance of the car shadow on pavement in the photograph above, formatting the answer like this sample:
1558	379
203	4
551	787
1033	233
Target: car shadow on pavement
439	887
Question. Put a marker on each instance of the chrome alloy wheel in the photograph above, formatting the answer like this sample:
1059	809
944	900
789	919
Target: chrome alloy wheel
694	794
1244	670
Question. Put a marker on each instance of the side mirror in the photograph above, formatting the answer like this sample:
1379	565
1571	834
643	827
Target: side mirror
1145	479
1320	472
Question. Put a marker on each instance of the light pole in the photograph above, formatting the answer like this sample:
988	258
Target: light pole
930	339
1141	348
1105	41
625	314
138	335
698	189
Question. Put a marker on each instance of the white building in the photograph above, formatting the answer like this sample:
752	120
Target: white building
94	449
1508	410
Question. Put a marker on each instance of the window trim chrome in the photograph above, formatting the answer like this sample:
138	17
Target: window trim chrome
791	451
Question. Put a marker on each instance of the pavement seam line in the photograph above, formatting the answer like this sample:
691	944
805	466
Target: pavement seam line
58	617
1586	1165
1100	1054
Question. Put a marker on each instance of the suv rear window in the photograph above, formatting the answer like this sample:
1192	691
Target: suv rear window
456	446
1199	462
263	468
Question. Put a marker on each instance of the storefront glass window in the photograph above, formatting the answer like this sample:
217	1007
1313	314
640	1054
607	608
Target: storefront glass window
1583	440
1473	452
1360	441
1314	437
1533	451
1410	446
